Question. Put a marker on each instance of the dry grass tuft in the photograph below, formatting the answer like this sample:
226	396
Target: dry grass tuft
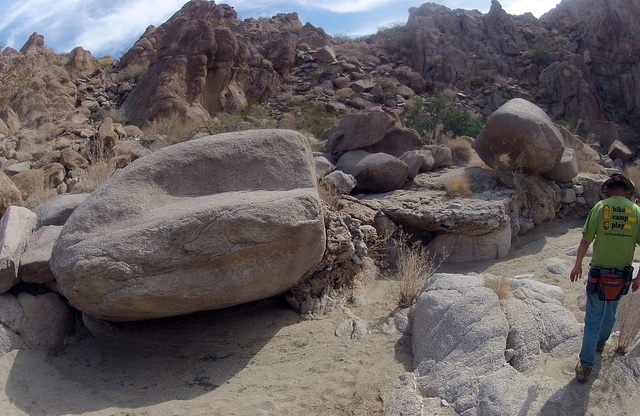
95	175
415	266
39	197
629	321
586	163
500	285
171	130
329	194
461	149
100	169
458	186
532	189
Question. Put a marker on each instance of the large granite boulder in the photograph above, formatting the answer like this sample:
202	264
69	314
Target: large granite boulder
522	131
34	262
539	322
435	212
200	225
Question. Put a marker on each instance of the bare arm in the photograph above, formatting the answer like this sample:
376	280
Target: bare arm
635	283
576	272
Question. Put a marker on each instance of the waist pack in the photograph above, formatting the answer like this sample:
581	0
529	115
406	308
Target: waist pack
609	284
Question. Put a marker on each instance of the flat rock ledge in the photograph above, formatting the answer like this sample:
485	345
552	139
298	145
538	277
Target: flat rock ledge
471	228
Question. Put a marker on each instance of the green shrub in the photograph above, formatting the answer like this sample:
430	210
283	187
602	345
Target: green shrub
425	119
541	53
311	118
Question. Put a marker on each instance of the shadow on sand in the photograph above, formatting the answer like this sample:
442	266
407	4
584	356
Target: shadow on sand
148	362
573	399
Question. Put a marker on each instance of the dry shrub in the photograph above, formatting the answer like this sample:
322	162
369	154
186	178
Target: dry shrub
39	197
449	94
586	163
478	164
250	116
461	149
415	266
440	135
130	72
500	285
458	186
382	248
171	129
95	175
532	189
329	194
629	321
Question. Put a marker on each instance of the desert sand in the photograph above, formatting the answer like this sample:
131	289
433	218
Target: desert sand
263	359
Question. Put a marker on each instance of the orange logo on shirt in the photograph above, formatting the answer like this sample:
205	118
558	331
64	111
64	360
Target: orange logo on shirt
606	212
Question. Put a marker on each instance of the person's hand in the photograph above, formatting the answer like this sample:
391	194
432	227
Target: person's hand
635	283
576	274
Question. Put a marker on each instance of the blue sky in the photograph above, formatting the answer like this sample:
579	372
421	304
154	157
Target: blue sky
109	27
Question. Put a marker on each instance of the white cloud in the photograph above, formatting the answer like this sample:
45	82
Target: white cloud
96	33
102	26
335	6
536	7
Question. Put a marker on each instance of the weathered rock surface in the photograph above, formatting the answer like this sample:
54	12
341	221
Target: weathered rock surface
204	60
16	227
539	323
396	142
579	54
460	334
377	172
34	262
188	228
33	321
357	130
57	210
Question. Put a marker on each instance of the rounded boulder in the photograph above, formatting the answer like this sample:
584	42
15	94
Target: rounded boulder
200	225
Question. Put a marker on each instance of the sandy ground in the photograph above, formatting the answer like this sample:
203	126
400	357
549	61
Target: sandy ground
263	359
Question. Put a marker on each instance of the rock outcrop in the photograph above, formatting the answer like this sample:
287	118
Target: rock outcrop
204	61
577	60
188	228
477	356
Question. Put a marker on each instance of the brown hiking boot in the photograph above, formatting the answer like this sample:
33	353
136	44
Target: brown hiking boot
600	346
582	373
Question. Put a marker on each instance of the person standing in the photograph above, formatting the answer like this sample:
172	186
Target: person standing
612	225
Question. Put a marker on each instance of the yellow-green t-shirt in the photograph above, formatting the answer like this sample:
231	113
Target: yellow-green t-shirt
613	223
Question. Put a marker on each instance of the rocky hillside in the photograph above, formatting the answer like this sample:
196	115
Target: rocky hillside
577	62
205	69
